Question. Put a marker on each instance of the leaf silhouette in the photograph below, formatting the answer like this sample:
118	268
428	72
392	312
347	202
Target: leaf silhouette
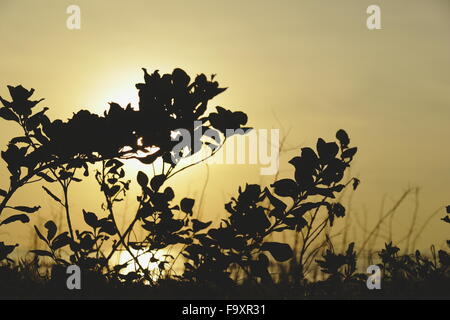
280	251
343	138
279	206
51	229
187	204
286	188
51	194
19	217
91	219
327	151
157	182
46	177
107	226
7	114
197	225
356	183
142	179
349	153
27	209
61	241
5	250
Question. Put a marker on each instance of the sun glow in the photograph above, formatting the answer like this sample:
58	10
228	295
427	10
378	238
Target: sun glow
133	165
115	89
147	260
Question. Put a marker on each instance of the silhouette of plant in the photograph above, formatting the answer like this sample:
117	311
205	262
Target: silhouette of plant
61	153
242	238
54	151
340	266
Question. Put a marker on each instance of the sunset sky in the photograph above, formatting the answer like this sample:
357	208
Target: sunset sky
308	68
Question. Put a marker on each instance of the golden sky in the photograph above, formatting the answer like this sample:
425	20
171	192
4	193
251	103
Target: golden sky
313	65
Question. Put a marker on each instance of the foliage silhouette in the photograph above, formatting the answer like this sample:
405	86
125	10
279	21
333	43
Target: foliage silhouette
257	213
54	150
60	153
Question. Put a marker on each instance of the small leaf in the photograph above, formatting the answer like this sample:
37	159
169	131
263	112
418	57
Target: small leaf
5	250
279	206
349	153
61	241
52	195
350	249
91	219
356	183
113	191
343	138
197	225
280	251
45	176
157	182
27	209
6	103
327	151
305	207
285	188
448	209
142	179
7	114
51	229
19	217
107	226
187	204
168	192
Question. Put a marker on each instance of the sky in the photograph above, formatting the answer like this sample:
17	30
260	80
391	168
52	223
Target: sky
307	68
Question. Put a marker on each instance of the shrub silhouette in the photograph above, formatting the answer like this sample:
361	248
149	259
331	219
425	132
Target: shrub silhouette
242	238
61	153
54	150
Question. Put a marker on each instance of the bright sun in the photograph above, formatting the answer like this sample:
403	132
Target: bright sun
148	260
121	91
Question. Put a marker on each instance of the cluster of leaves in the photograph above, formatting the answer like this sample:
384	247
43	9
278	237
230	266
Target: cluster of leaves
256	214
403	275
242	239
53	151
406	267
340	266
167	103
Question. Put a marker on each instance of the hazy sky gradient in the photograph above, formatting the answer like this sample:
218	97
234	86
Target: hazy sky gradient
311	64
